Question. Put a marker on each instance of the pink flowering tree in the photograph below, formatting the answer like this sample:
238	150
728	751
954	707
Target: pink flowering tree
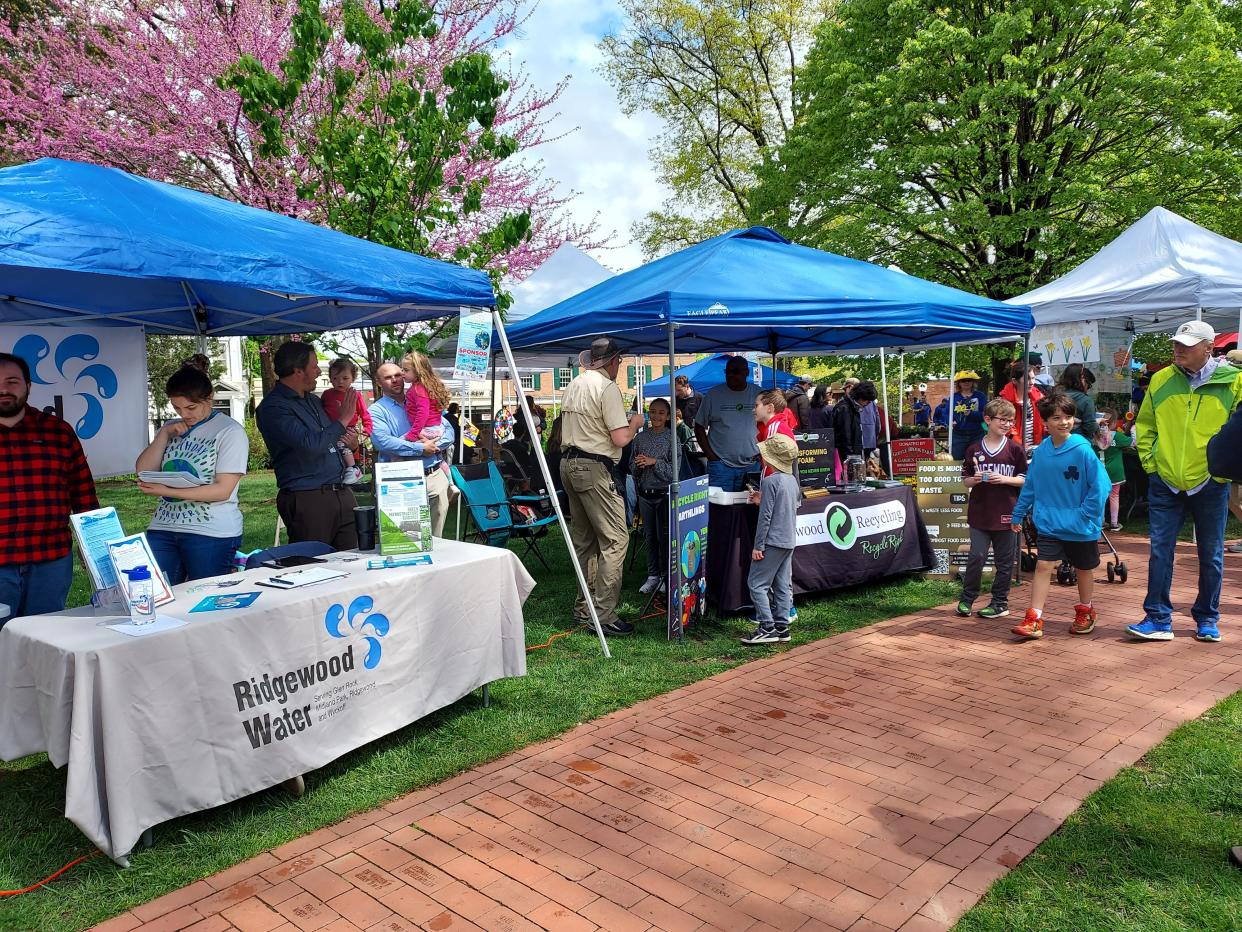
387	119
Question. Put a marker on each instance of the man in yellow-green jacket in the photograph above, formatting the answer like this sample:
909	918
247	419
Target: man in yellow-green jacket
1187	403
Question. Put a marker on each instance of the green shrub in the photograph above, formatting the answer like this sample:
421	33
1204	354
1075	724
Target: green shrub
259	457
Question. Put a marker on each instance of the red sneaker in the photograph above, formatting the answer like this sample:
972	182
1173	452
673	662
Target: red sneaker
1084	619
1032	626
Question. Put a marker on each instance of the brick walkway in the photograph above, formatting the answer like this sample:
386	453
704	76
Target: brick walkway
878	780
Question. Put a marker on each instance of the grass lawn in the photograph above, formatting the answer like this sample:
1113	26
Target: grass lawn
1146	851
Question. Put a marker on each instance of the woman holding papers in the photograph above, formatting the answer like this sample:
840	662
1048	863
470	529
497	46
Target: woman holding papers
197	525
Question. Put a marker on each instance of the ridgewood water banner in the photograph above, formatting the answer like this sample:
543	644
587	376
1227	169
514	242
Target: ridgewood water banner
95	378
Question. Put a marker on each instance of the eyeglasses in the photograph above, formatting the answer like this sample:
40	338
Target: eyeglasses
1002	420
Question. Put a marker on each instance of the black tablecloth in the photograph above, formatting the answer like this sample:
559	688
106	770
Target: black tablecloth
880	546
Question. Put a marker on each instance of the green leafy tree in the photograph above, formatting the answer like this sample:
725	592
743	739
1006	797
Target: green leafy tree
165	354
382	164
994	145
721	77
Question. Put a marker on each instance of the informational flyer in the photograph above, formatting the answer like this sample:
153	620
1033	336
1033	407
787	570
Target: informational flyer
688	559
942	497
815	458
1062	344
404	514
474	340
129	553
92	530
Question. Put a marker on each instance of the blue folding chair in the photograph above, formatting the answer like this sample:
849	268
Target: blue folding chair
303	548
493	510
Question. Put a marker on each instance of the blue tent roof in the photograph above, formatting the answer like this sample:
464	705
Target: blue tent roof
708	373
81	243
753	289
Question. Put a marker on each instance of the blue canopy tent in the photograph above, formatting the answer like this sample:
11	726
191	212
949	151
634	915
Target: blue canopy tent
84	244
708	373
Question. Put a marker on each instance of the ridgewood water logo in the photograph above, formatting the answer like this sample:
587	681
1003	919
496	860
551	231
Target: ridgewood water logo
357	622
98	380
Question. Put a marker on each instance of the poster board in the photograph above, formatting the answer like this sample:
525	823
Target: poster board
474	340
815	458
688	557
403	511
942	497
1063	344
94	379
907	452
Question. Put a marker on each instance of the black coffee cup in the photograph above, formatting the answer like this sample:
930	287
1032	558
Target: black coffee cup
364	524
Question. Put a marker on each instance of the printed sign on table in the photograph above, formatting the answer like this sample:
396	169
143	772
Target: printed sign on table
908	452
815	458
688	523
95	379
404	513
474	341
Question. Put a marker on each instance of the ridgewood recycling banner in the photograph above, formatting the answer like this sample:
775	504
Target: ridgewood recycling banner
95	378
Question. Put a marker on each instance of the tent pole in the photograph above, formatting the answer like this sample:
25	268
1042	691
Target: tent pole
491	442
639	376
674	490
462	416
952	372
901	384
547	477
888	434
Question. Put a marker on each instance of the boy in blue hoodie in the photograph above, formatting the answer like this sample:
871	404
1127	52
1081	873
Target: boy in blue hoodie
1066	487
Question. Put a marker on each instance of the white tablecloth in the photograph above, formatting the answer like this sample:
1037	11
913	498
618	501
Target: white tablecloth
237	701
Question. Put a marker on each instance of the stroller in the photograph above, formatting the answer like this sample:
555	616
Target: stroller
1114	567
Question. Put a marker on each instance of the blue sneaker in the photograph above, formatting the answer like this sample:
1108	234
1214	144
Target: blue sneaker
793	613
1207	632
1150	630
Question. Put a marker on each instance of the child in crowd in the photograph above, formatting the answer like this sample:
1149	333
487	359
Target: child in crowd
1117	431
772	417
994	470
342	373
425	401
771	568
1065	489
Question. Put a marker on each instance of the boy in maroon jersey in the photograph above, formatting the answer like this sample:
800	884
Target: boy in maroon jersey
994	470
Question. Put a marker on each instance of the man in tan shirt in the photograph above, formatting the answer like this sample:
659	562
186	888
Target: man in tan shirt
594	428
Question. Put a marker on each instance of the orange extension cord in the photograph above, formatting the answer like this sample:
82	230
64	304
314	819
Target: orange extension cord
548	642
35	886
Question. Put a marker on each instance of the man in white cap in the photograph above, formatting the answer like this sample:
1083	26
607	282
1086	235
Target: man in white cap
594	428
1186	405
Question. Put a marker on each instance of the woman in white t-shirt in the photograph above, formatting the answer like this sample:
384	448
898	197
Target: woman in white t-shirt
195	531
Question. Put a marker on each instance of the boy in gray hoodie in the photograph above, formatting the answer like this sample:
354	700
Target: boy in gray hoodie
771	568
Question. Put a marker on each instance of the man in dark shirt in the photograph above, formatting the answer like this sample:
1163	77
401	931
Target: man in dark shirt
44	478
313	501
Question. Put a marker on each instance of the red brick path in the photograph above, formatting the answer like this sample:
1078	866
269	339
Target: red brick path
882	779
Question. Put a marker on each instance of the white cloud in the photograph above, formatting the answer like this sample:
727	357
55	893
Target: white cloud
603	155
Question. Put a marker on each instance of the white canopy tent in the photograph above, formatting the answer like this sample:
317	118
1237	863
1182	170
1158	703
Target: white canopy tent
1160	272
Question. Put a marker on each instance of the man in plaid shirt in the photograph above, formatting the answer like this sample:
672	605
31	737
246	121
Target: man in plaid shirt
43	479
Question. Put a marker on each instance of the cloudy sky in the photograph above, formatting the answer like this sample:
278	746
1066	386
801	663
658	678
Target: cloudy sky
604	154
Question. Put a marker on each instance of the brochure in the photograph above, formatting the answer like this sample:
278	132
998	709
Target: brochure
134	551
92	530
221	603
174	479
404	514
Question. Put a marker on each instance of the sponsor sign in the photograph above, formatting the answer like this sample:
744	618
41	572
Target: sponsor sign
474	341
908	452
94	378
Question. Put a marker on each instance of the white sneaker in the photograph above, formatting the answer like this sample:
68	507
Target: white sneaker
1234	548
353	475
650	585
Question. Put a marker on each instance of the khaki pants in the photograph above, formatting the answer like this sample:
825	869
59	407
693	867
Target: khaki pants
438	499
598	533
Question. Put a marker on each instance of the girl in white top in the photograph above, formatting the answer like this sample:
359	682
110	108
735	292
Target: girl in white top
195	531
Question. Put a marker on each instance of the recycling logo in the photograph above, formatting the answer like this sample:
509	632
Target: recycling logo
359	624
840	526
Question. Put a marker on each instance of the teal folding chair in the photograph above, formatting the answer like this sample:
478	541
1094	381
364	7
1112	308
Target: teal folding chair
493	510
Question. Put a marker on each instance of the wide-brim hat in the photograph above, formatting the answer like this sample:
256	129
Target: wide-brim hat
603	351
966	375
779	452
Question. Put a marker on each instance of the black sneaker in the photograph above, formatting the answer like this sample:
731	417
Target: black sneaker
618	628
763	636
994	610
782	634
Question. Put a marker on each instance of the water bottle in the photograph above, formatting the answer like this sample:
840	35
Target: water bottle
141	596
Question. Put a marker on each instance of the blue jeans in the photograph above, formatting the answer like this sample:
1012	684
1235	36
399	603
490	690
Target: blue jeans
183	556
1166	512
961	440
35	588
726	477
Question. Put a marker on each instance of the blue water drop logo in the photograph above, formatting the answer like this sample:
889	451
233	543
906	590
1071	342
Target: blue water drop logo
34	349
357	622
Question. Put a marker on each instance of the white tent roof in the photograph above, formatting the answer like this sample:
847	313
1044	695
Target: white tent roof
1159	272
